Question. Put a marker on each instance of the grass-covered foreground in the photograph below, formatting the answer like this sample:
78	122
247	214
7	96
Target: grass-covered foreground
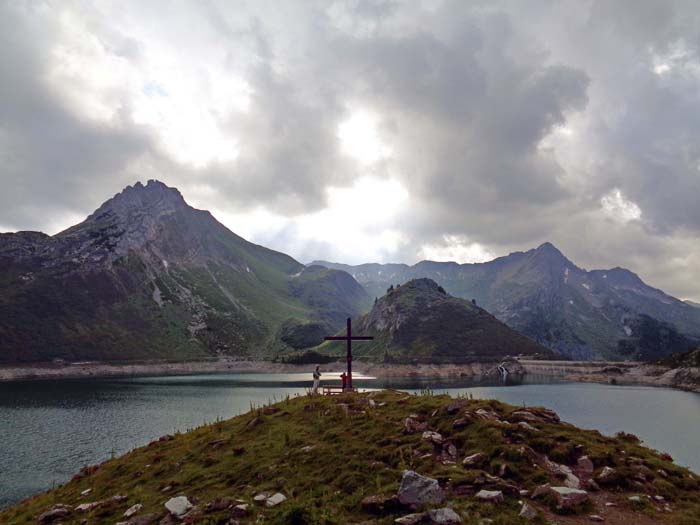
340	460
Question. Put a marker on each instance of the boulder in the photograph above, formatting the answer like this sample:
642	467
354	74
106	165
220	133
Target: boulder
492	496
527	512
585	464
474	459
417	490
607	476
412	425
433	437
275	499
566	497
489	415
134	509
56	513
178	506
444	516
411	519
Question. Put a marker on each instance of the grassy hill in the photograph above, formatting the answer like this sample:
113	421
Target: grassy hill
341	460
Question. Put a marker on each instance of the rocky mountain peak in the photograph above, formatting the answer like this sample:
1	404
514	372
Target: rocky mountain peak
155	198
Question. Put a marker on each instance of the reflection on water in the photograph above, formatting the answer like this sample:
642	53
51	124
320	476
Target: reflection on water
50	429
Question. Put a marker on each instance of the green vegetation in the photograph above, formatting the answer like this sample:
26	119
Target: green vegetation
328	454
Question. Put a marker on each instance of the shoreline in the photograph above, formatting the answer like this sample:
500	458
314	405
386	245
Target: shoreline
604	372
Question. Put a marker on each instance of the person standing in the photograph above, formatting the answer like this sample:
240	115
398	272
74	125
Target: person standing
317	380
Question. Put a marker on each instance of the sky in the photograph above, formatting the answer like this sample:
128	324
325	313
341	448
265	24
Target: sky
369	131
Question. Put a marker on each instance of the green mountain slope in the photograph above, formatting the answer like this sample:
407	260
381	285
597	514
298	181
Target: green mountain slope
420	322
148	276
542	294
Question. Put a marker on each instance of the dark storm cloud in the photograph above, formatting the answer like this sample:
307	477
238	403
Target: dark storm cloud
509	123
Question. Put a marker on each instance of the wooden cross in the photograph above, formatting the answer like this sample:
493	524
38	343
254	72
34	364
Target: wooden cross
349	338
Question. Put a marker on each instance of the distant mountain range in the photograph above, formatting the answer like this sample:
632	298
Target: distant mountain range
542	294
148	276
419	322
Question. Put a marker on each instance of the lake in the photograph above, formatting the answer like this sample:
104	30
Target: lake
50	429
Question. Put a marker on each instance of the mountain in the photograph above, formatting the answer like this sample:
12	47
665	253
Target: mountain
692	303
420	322
582	314
148	276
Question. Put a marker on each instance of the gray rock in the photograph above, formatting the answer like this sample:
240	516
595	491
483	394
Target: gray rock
474	459
585	464
433	437
596	518
275	499
527	512
178	506
568	497
416	490
492	496
134	509
54	514
444	516
607	476
410	519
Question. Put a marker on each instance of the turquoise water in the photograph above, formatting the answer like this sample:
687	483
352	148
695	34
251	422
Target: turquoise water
50	429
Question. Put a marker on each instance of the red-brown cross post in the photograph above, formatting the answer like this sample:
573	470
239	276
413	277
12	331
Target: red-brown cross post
349	338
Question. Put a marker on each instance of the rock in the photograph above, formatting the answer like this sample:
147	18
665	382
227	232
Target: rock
635	499
492	496
217	505
527	426
568	497
596	518
134	509
474	459
275	499
56	513
433	437
412	425
118	498
167	488
444	516
268	411
178	506
260	498
461	422
456	406
307	448
522	415
169	519
416	490
411	519
87	507
527	512
146	519
610	504
585	464
240	511
607	476
592	485
380	504
489	415
86	492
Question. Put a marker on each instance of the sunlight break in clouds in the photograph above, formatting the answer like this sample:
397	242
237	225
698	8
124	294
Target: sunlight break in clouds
616	206
456	248
359	138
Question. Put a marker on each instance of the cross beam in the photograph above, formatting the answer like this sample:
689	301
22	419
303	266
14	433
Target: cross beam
349	338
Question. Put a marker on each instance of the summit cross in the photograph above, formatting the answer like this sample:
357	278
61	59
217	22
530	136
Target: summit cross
349	338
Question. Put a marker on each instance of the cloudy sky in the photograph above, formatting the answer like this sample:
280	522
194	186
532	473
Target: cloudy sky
362	130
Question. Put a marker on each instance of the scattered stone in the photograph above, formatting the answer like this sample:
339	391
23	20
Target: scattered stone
218	443
412	425
275	499
217	505
595	517
635	499
240	511
87	507
527	512
178	506
592	485
566	497
254	422
380	504
461	422
607	476
492	496
444	516
527	426
146	519
56	513
416	490
134	509
307	448
456	406
260	498
410	519
119	498
167	488
489	415
268	411
659	498
585	464
433	437
86	492
610	504
474	459
372	403
524	493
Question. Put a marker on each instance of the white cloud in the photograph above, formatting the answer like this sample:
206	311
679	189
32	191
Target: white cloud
617	207
456	248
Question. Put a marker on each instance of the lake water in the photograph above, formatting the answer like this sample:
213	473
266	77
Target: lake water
50	429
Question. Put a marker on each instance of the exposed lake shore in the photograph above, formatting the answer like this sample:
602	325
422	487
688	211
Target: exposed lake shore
621	373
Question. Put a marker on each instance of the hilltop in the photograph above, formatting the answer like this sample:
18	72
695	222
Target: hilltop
598	314
420	322
375	458
148	276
